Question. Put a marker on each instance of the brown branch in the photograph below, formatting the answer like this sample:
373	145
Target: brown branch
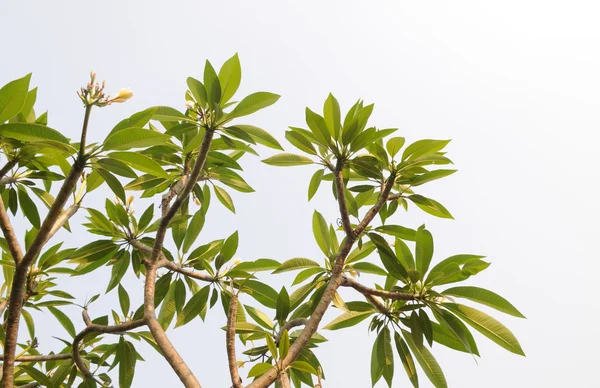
348	282
377	303
289	325
42	357
7	167
9	234
20	277
169	352
94	328
341	198
283	380
334	282
164	262
62	219
393	197
236	380
3	303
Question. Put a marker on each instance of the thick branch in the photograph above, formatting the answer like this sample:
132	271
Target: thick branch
341	198
7	167
334	282
179	366
20	277
94	328
42	357
284	380
348	282
9	234
236	380
168	350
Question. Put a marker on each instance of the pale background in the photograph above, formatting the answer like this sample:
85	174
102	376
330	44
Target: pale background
515	84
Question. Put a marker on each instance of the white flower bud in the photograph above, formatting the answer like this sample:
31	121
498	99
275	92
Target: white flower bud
191	105
122	96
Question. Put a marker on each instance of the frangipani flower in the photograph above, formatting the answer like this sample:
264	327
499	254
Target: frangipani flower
123	95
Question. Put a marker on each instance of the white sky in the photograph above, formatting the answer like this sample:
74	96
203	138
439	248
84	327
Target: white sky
513	83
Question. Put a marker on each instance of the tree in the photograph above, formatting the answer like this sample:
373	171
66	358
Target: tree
185	158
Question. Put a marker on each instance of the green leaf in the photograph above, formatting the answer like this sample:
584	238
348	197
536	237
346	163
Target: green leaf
252	103
376	365
224	198
28	207
36	375
331	114
300	142
124	300
193	230
118	270
398	231
385	355
229	248
487	326
451	330
424	250
486	297
167	308
394	145
314	184
137	120
113	183
407	360
198	90
260	317
12	97
272	347
230	76
427	361
304	367
423	147
193	307
284	344
212	84
388	258
263	293
127	357
134	138
318	127
141	163
259	369
32	133
348	319
321	233
287	159
431	176
260	136
282	309
296	263
430	206
64	320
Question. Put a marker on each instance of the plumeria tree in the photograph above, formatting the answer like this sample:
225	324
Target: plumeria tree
186	159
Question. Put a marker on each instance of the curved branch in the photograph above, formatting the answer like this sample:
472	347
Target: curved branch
289	325
334	282
94	328
348	282
236	380
62	219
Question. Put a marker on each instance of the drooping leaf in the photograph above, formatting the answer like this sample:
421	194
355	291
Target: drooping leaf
428	363
486	297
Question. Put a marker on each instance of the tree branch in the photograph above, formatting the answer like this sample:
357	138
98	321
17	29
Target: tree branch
334	282
236	380
20	276
393	197
94	328
348	282
341	198
62	219
289	325
169	352
9	234
42	357
283	380
163	262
